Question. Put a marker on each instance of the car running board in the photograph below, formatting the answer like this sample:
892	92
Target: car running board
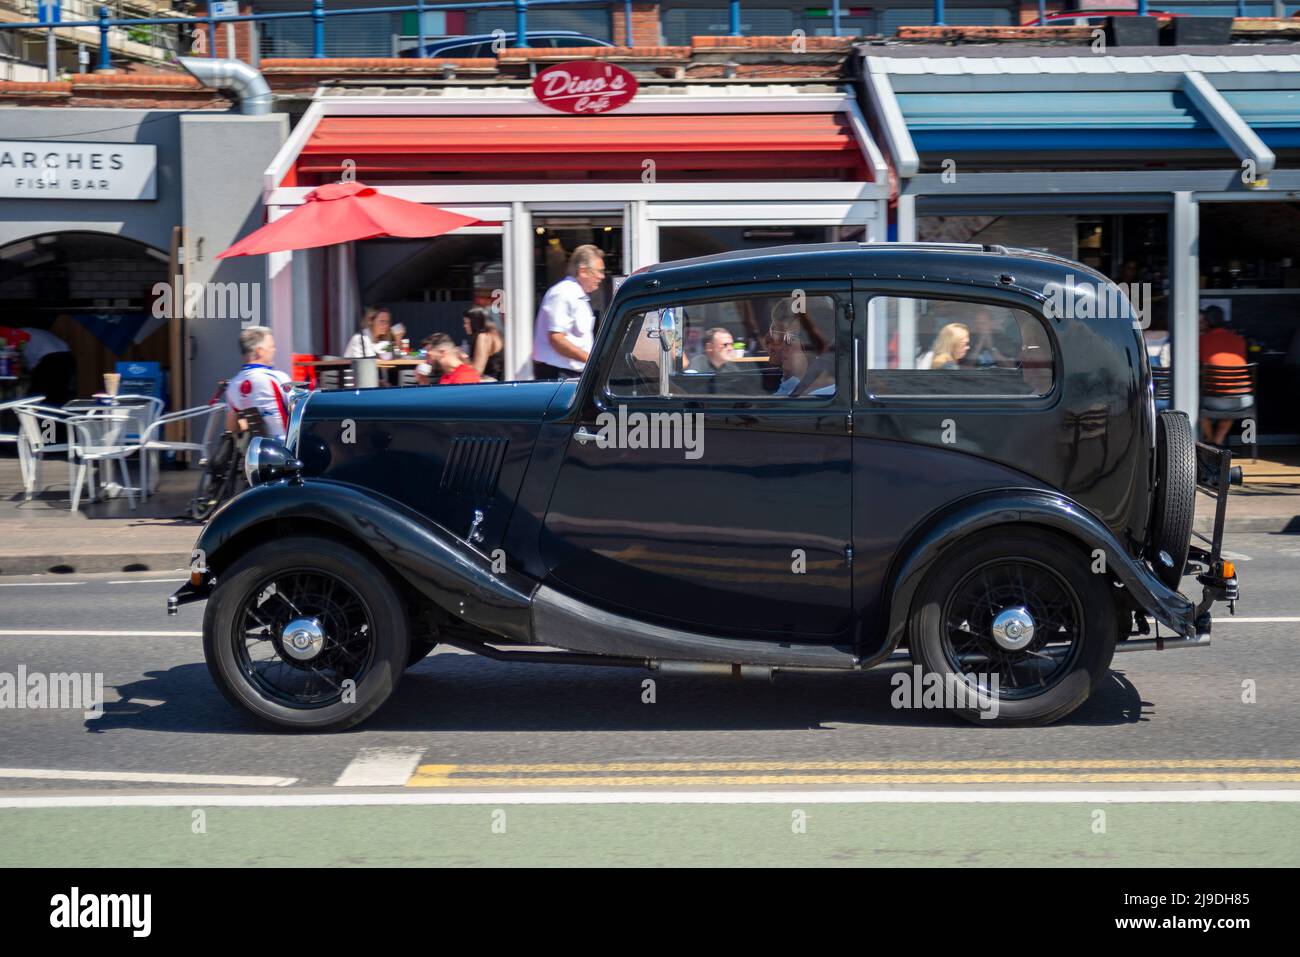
562	621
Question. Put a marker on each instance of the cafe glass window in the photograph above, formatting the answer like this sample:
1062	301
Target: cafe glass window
935	347
764	346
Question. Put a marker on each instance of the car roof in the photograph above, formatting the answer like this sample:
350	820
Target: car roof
484	37
959	263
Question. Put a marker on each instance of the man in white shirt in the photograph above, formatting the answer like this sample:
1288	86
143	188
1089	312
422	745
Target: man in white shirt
563	332
50	363
258	385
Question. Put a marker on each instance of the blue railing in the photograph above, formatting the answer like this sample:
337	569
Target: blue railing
318	15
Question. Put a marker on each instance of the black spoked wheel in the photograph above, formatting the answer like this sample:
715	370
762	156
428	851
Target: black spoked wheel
306	633
302	635
219	479
1018	624
1016	621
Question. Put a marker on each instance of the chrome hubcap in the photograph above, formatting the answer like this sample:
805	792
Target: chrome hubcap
302	639
1013	628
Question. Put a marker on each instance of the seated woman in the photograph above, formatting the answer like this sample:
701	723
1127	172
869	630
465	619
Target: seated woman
950	346
486	351
376	337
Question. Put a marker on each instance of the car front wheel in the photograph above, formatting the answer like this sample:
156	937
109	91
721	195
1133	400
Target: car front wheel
306	633
1018	627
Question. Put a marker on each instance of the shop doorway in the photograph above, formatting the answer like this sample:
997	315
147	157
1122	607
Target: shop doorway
96	293
557	235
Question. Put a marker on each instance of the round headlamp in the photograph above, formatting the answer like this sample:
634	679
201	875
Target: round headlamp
268	459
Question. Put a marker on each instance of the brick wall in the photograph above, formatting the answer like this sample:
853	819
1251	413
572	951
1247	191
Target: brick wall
645	25
243	38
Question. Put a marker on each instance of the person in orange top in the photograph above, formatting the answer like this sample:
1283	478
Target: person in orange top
448	361
1221	347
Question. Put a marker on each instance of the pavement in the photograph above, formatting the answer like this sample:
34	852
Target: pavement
1181	758
43	535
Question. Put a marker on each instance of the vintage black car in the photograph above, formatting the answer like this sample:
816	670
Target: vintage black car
947	453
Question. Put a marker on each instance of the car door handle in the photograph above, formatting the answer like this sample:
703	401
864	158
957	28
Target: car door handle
583	436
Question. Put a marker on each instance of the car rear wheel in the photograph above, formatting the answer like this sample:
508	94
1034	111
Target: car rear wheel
306	633
1175	498
1017	627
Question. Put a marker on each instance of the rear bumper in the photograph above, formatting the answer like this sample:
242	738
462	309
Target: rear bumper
1215	474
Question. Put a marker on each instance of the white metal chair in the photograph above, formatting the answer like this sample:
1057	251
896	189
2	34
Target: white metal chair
144	409
37	437
93	439
13	405
152	442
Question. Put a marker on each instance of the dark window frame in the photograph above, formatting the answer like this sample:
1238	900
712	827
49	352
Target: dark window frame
864	397
639	306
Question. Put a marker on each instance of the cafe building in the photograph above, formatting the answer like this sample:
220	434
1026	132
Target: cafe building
101	208
1175	171
675	170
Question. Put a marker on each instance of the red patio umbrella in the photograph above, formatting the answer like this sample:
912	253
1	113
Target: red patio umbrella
340	212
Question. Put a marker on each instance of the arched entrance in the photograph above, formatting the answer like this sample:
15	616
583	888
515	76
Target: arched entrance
95	292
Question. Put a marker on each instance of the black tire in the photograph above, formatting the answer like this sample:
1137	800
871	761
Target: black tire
365	634
1175	498
1072	609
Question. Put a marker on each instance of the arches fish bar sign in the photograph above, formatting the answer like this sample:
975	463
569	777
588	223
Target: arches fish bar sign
48	170
584	86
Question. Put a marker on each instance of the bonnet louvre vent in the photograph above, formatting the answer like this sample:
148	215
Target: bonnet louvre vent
473	465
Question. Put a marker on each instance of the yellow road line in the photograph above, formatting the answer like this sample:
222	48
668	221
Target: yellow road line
443	780
1072	764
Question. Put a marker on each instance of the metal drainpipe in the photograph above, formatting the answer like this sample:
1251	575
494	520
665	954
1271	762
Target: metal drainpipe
248	84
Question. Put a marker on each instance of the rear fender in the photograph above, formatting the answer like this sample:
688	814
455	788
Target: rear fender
984	511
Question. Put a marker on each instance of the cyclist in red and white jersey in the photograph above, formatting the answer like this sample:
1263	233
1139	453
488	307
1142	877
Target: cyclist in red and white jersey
258	385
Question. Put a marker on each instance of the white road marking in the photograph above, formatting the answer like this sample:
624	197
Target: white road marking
146	777
1229	619
363	799
38	584
90	633
148	581
380	767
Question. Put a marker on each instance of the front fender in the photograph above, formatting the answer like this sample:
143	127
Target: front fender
1025	507
435	562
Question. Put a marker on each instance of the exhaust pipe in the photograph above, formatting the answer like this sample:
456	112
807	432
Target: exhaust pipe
235	75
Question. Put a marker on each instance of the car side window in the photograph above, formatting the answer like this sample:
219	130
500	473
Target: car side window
464	51
918	347
745	347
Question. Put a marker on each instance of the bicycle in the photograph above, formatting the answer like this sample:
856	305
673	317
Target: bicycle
223	475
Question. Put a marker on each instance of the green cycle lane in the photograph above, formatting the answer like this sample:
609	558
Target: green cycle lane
859	834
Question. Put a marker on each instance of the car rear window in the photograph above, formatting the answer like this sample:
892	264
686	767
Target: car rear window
918	347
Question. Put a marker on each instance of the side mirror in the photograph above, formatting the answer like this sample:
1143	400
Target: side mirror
669	331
